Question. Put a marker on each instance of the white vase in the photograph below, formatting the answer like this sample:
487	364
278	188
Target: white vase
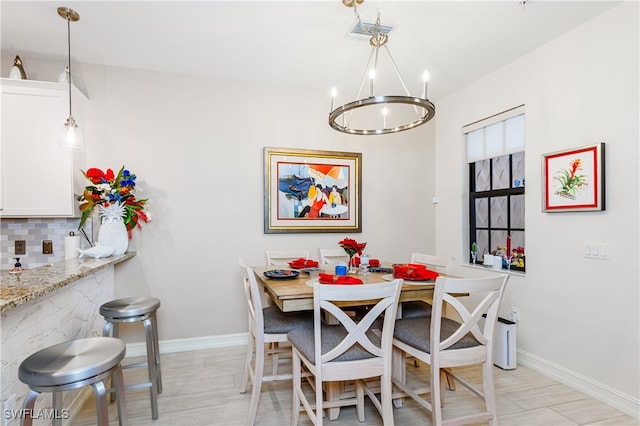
113	231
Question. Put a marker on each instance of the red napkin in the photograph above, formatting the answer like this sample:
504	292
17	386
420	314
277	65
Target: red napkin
303	263
414	272
338	279
374	263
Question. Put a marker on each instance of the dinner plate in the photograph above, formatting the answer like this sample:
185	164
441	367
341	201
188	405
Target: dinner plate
390	277
281	274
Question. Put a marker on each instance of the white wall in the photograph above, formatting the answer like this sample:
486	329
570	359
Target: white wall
579	318
196	145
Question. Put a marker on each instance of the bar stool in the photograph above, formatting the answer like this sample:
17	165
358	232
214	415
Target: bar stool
71	365
138	309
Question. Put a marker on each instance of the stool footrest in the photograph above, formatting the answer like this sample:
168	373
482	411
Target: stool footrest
136	365
132	387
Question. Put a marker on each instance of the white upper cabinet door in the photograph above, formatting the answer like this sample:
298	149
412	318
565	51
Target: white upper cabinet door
37	172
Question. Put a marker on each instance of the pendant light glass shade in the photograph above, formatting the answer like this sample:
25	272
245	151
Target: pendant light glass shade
70	134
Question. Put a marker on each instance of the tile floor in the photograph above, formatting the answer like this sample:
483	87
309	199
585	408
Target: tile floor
202	388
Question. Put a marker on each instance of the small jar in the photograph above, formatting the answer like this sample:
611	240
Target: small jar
341	268
364	264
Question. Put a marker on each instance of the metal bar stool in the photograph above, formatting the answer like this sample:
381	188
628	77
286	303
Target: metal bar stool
71	365
138	309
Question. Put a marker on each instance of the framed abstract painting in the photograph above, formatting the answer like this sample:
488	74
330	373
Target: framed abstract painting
312	191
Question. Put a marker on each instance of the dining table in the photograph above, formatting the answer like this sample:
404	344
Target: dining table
294	292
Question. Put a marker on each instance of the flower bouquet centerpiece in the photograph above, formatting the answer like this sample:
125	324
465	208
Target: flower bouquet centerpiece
114	196
352	247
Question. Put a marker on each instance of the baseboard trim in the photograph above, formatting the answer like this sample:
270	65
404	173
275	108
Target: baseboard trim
190	344
625	403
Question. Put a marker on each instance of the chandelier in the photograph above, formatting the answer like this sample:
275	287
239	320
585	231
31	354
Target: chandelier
379	114
71	136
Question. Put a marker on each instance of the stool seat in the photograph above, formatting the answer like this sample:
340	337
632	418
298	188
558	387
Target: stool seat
71	362
72	365
129	307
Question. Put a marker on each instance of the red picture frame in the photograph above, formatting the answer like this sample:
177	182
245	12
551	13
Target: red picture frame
573	180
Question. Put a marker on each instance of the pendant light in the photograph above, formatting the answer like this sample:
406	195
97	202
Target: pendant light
71	136
379	114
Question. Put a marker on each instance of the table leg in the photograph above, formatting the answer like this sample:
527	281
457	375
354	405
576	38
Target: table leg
333	390
398	371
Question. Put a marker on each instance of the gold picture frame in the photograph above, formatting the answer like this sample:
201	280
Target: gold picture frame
309	191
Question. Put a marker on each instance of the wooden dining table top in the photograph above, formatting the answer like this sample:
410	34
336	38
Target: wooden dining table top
295	295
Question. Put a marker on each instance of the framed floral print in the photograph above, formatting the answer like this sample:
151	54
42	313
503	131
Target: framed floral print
573	180
312	191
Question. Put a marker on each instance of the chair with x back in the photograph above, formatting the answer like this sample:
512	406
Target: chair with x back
283	257
440	264
266	326
349	350
445	343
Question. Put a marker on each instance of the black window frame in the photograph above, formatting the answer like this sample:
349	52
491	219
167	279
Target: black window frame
488	194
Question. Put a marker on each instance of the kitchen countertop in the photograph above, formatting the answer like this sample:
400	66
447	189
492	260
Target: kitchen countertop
17	289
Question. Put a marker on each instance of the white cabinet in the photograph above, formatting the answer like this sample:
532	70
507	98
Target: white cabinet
39	177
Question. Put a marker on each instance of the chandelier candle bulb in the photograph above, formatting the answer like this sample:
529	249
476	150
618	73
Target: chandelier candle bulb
425	78
372	81
334	93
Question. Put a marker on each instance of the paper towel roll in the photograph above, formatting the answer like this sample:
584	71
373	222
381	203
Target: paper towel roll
71	246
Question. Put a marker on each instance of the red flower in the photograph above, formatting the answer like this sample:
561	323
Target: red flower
351	246
98	176
575	166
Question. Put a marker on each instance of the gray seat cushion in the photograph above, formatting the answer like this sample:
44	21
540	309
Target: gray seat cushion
278	322
415	309
302	339
416	332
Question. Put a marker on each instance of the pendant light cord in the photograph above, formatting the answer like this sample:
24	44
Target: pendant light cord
69	58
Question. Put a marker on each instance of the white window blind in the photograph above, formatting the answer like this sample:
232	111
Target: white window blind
494	136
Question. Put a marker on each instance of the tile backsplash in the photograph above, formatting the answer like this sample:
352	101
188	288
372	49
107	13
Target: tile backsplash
33	232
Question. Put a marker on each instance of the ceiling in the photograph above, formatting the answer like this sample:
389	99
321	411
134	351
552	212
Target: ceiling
295	43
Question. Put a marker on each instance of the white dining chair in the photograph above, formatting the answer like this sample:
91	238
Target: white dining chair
332	256
267	326
440	264
283	257
349	350
444	343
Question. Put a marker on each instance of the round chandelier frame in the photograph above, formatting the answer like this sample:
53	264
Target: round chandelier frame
428	111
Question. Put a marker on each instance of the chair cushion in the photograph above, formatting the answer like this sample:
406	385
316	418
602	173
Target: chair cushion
302	339
415	309
416	332
278	322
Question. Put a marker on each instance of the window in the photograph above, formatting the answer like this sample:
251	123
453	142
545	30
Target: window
495	155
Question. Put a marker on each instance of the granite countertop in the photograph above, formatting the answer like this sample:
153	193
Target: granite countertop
17	289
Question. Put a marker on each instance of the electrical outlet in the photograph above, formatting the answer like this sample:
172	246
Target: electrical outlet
20	247
47	247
